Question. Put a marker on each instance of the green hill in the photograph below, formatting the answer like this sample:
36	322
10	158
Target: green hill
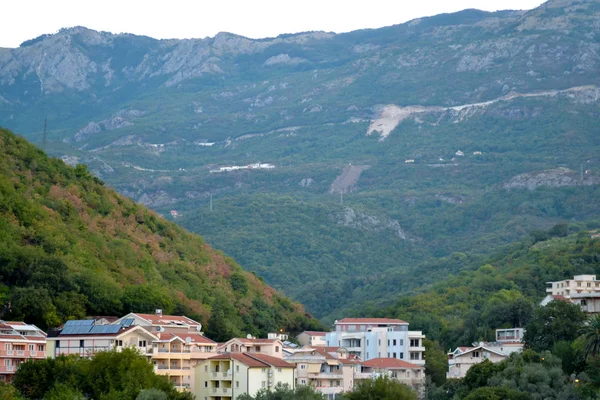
70	247
499	292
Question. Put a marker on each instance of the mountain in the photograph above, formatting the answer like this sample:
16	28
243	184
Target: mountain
70	247
332	163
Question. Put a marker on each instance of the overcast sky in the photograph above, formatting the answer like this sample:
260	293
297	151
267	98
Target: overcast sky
26	19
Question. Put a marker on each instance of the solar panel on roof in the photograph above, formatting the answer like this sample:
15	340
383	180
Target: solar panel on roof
127	322
79	322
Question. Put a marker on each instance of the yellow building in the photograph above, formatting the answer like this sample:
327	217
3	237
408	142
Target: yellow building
227	376
270	347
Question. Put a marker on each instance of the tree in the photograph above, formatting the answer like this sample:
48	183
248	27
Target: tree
382	388
436	362
64	392
559	320
284	392
151	394
497	393
8	392
479	375
590	337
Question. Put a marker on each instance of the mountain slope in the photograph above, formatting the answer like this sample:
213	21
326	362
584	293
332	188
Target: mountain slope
386	148
69	247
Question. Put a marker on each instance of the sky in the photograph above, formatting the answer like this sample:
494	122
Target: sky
27	19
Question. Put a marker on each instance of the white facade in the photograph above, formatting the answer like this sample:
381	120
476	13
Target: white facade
463	358
579	284
370	338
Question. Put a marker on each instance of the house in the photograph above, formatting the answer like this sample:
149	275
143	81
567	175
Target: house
329	370
250	345
19	342
178	347
229	375
412	375
175	355
511	335
86	337
369	338
463	358
312	339
583	290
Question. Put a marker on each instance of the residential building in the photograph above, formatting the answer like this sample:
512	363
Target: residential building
270	347
512	335
569	287
227	376
312	339
370	338
463	358
583	290
86	337
404	372
329	370
178	347
19	342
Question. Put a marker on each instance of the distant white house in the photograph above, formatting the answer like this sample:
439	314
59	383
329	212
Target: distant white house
459	153
583	290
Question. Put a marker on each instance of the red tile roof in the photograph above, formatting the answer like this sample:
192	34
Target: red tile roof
389	363
559	297
195	337
370	321
273	361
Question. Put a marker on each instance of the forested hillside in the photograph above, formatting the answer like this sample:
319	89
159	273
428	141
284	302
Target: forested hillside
70	247
391	152
498	292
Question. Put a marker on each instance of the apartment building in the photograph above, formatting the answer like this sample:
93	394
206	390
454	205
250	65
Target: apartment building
87	337
329	370
370	338
19	342
250	345
178	347
583	290
227	376
410	374
312	339
463	358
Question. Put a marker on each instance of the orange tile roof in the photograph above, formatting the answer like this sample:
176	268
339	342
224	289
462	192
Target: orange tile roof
195	337
315	333
370	321
274	361
389	363
241	357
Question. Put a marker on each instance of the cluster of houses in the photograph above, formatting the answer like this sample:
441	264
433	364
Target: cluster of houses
331	362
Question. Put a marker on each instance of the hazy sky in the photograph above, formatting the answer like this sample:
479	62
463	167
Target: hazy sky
26	19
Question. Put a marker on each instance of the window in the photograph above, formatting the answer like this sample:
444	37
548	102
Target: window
237	384
302	366
263	384
476	354
388	355
379	342
40	347
394	342
257	349
589	284
402	356
7	346
58	344
31	347
379	354
237	368
278	369
584	302
401	342
394	355
337	383
205	384
276	349
414	356
303	381
388	342
414	342
142	343
81	343
206	368
119	343
578	284
264	370
367	342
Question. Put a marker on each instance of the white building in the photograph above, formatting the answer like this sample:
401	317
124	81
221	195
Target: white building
583	290
312	339
463	358
370	338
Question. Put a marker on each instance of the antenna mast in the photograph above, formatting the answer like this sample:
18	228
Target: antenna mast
44	137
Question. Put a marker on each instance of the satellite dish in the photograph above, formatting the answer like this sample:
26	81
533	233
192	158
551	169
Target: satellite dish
160	329
199	328
248	336
188	340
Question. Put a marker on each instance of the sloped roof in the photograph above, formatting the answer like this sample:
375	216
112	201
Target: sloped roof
273	361
390	363
370	321
254	360
195	337
315	333
166	319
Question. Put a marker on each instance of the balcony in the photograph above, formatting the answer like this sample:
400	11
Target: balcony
220	391
221	376
362	375
326	375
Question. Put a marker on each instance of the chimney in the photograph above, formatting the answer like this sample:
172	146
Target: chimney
159	312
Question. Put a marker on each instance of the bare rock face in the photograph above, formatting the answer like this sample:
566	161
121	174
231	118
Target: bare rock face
551	178
284	59
120	120
357	219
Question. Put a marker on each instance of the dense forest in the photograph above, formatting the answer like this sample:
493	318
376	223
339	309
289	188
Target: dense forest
70	247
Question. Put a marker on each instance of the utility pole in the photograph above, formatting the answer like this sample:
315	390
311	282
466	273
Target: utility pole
581	172
44	135
341	197
210	207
